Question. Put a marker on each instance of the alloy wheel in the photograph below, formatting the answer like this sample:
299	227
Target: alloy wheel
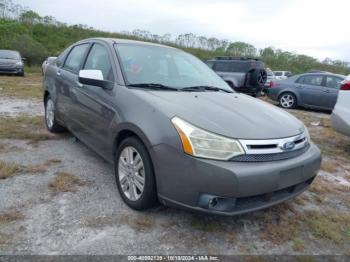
131	173
287	101
50	113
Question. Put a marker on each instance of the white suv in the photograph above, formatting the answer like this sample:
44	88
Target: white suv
341	114
281	75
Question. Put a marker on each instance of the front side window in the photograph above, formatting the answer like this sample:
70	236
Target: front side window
98	59
60	59
75	58
333	82
312	80
147	64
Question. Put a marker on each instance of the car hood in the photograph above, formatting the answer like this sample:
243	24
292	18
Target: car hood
229	114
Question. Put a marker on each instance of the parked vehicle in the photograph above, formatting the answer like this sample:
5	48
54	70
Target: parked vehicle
282	75
270	77
245	75
315	90
175	130
340	117
47	61
11	63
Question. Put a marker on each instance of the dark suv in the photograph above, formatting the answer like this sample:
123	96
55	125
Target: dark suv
245	75
11	63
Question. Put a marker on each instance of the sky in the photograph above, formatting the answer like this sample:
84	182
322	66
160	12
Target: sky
316	28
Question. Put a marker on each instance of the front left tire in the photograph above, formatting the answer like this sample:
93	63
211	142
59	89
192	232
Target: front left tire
134	175
50	117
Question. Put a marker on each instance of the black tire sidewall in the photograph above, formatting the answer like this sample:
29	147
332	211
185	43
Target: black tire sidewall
56	128
148	198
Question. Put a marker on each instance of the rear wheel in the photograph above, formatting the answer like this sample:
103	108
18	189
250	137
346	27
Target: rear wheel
50	117
134	174
288	100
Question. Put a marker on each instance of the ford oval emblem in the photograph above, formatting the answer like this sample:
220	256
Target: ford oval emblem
288	146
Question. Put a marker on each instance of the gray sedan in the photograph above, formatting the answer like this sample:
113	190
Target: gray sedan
313	90
174	130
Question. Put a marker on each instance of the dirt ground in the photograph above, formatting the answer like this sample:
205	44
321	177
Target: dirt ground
59	197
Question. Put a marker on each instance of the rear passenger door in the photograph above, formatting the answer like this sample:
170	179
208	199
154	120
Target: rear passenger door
310	89
330	92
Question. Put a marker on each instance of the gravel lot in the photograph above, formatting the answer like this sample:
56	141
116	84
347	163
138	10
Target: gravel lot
58	197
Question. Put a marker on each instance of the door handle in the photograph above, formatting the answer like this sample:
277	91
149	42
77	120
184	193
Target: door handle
58	73
327	91
79	84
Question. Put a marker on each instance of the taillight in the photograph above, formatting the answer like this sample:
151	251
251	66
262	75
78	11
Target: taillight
345	86
272	84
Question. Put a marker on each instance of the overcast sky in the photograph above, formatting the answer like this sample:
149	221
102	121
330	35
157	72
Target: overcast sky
313	27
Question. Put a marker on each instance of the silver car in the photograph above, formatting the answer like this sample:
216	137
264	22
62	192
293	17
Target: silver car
174	130
313	90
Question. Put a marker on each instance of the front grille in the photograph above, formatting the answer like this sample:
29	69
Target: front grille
7	65
269	157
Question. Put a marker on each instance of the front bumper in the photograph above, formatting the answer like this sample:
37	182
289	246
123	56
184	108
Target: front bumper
12	70
231	188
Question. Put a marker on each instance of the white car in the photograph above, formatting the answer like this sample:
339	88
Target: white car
282	75
341	114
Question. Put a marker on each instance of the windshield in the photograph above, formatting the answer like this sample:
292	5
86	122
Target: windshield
6	54
147	64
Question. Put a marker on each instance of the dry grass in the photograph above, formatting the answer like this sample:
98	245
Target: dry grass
140	223
323	186
4	148
10	216
5	239
298	245
22	87
8	169
331	165
333	226
65	182
24	127
280	224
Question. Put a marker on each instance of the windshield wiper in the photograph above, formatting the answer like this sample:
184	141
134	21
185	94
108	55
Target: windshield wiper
205	88
153	86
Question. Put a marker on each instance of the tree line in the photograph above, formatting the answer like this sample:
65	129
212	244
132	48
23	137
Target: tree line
37	37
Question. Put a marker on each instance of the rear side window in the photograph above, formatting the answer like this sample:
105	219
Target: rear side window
98	59
278	73
333	82
75	58
240	67
221	67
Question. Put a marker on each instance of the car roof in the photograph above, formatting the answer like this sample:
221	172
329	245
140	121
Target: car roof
124	41
323	74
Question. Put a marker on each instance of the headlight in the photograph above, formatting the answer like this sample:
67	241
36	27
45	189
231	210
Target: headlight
19	63
200	143
307	134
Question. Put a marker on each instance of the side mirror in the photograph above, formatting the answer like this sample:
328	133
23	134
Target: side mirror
24	59
94	78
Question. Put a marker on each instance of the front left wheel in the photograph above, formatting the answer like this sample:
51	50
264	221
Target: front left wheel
134	174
